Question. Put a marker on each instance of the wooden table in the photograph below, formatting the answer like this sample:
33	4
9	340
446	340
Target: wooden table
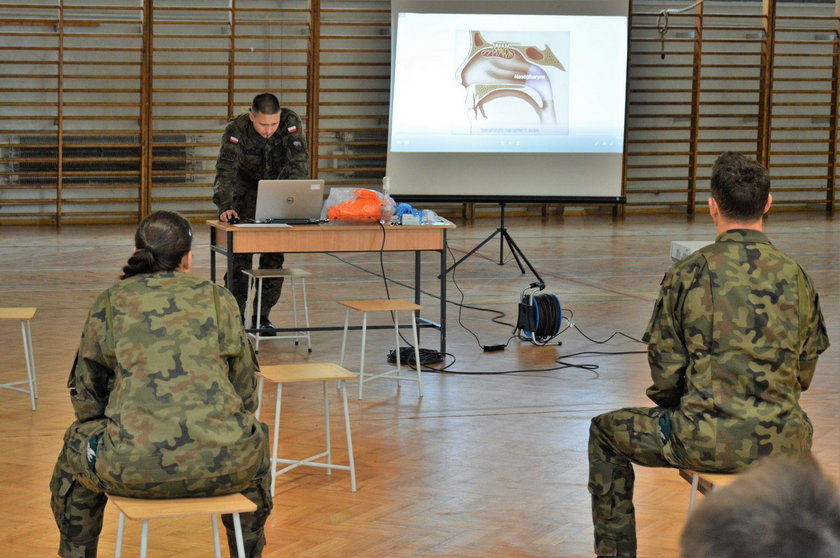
228	240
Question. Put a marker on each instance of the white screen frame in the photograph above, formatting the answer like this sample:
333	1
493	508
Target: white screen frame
539	177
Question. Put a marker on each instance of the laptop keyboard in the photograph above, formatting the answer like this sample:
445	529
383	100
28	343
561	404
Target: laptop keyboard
286	221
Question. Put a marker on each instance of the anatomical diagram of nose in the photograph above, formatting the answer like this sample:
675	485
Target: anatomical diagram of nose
505	69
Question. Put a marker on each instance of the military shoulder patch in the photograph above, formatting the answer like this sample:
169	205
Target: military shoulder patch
292	129
233	140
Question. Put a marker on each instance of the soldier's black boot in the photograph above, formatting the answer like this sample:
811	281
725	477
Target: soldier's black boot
266	327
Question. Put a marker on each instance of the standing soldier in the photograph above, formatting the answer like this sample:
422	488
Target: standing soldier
164	392
266	143
733	341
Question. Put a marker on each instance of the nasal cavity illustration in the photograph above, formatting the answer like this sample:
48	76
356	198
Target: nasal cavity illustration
505	69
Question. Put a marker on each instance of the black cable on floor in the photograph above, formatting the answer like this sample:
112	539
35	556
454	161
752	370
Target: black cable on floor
610	337
427	356
499	313
461	304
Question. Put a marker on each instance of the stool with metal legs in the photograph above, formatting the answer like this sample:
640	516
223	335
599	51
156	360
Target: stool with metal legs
705	483
394	306
143	510
24	315
309	372
256	276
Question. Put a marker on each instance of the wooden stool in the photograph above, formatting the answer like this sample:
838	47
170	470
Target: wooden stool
24	315
706	483
144	510
316	372
365	306
293	274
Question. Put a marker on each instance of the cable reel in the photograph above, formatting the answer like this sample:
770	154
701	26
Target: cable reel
540	316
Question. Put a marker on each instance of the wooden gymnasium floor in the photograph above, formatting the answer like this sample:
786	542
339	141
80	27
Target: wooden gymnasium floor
484	465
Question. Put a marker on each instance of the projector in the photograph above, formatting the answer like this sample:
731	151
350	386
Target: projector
681	249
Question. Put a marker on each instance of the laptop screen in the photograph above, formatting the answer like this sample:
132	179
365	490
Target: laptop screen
296	200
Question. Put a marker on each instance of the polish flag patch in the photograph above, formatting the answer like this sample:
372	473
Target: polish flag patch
233	140
292	129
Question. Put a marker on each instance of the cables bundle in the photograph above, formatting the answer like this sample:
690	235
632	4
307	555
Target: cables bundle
427	356
540	315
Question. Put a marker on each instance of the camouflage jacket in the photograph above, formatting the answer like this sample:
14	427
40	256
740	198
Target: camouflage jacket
245	158
733	341
165	366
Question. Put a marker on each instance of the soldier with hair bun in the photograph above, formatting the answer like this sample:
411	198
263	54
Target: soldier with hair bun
733	341
164	390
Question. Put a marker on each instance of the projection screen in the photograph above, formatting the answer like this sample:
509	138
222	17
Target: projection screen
492	105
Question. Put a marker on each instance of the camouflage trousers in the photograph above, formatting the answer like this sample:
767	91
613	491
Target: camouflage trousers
245	202
616	441
78	499
271	287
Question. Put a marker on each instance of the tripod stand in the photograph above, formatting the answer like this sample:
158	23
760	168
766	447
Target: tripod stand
517	252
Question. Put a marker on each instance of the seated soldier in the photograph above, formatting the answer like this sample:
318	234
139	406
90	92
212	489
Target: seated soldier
164	390
733	341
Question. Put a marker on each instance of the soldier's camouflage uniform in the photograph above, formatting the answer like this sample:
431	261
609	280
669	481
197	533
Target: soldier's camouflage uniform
164	389
733	341
245	158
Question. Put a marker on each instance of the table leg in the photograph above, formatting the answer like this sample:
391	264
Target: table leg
417	286
229	273
212	255
443	295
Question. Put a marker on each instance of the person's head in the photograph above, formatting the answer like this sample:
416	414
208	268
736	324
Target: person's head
740	189
265	114
163	242
784	508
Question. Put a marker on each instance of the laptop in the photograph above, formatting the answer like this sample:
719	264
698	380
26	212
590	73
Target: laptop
291	202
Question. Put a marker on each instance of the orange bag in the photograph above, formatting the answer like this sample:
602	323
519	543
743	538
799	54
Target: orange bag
366	207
